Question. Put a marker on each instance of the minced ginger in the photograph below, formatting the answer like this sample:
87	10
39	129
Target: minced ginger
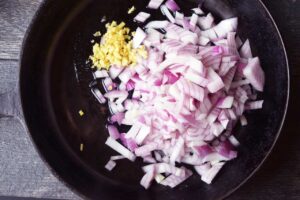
116	48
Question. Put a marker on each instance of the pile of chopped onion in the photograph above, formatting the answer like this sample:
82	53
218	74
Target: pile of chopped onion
183	101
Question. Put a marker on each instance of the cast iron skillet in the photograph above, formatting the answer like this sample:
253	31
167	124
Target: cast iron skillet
54	86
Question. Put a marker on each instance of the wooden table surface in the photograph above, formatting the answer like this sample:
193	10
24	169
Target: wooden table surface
23	174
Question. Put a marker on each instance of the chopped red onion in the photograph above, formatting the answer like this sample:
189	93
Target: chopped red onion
115	70
110	165
215	81
214	157
245	50
147	178
239	83
206	22
126	75
113	107
254	73
198	11
186	23
157	24
130	85
210	174
229	77
173	180
166	12
116	94
153	38
179	17
108	84
100	74
233	141
239	42
243	120
185	98
145	150
177	150
113	132
157	156
203	41
138	38
254	105
131	144
119	157
155	4
203	150
193	21
96	92
149	159
134	130
202	169
165	168
159	178
118	117
141	17
225	102
142	134
172	5
231	42
119	148
226	26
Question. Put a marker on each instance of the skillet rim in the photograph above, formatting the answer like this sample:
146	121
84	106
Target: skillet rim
34	22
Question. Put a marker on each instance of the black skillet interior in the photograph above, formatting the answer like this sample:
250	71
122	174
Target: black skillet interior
55	80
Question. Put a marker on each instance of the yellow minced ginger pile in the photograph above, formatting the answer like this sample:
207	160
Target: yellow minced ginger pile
116	48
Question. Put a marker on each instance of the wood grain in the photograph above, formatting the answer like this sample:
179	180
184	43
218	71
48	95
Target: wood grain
25	175
15	17
8	75
22	172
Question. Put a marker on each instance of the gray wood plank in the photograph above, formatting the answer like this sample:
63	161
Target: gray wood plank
9	97
22	172
8	75
15	16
